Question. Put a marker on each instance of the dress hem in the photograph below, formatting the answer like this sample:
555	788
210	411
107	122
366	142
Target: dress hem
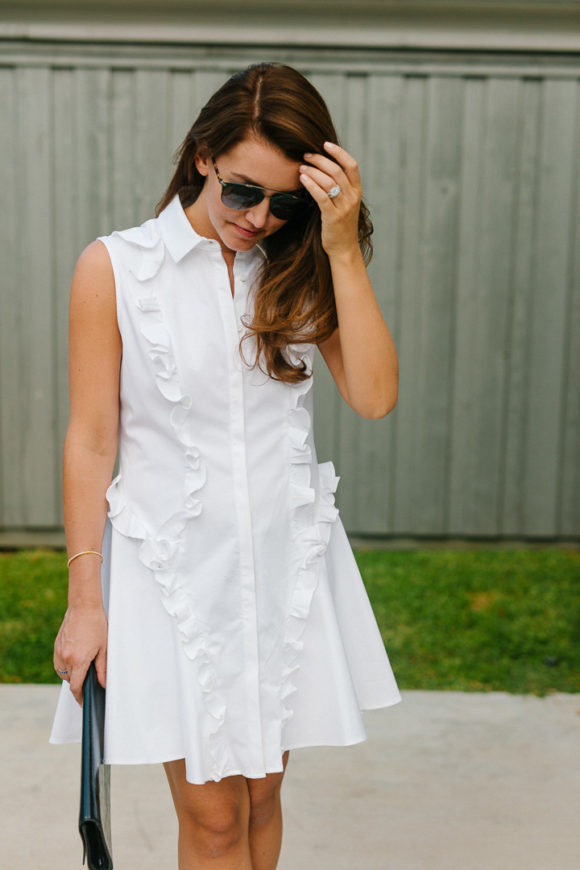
351	741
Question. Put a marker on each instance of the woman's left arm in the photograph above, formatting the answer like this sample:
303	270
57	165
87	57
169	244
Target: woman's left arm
361	353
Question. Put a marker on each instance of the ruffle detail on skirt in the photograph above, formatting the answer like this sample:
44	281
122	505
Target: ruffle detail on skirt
162	550
312	516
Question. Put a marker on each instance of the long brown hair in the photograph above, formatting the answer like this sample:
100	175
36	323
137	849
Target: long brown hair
294	303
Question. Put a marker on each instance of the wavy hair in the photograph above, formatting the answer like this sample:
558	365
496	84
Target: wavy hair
294	301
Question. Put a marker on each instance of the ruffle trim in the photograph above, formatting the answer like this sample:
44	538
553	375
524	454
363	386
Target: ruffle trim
161	550
311	523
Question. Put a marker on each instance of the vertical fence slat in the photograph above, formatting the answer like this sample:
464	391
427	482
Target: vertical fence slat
65	216
184	107
153	147
548	306
93	158
380	163
570	458
464	414
483	309
36	382
412	192
434	335
206	82
519	345
11	511
123	135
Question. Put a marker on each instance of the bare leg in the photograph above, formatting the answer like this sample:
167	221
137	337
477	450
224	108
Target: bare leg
265	824
213	821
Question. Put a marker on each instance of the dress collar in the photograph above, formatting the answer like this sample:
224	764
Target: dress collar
177	233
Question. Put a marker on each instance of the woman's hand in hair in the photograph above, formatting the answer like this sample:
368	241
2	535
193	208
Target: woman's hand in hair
319	174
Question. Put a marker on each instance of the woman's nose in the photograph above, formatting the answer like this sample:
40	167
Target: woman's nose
258	214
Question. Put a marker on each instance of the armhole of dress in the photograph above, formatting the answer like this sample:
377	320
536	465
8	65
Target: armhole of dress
110	246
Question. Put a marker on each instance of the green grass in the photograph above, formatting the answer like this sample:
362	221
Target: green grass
32	603
474	620
479	620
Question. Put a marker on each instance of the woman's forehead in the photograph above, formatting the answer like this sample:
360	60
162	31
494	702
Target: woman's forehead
256	161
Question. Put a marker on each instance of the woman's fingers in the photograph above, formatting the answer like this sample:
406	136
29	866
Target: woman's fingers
82	638
325	174
101	666
342	170
316	190
60	661
322	179
322	176
77	681
346	160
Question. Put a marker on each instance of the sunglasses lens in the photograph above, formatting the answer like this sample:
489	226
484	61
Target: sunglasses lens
286	207
240	196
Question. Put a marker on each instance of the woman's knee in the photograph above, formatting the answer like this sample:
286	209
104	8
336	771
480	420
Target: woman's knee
263	808
215	813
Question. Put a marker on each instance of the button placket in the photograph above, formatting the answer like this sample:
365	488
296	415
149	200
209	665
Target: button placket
240	298
231	311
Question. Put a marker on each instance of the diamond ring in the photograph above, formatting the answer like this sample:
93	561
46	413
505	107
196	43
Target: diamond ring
58	670
334	191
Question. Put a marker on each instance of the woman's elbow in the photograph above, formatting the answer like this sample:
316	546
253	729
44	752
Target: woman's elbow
100	439
380	411
378	408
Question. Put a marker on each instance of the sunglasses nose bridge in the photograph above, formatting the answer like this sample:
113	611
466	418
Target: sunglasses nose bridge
258	213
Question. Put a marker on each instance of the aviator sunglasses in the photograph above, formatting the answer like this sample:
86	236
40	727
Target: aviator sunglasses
284	206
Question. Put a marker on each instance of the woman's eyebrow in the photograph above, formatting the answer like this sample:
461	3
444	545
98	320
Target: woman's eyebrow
247	180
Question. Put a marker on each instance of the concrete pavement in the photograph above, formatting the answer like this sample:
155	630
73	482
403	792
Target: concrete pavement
446	781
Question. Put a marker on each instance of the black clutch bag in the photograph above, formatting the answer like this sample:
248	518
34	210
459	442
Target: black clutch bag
95	809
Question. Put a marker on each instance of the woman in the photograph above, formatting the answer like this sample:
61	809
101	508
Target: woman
233	624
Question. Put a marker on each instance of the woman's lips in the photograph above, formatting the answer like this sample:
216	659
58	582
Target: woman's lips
248	234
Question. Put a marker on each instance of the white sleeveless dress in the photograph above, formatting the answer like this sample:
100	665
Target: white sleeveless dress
239	625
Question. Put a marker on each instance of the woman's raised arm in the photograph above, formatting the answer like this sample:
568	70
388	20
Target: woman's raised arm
360	354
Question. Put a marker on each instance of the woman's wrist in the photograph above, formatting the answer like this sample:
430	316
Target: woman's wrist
85	605
84	588
346	258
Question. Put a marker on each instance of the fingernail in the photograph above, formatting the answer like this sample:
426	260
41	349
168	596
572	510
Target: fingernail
303	168
308	155
330	145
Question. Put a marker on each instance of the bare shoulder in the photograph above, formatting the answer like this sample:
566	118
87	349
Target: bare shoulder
93	285
94	266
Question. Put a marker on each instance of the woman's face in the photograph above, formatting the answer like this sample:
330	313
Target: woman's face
251	161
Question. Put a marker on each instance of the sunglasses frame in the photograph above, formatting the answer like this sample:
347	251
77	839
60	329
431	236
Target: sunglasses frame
298	202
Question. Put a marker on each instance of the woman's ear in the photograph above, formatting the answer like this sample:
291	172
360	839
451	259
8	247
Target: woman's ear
203	162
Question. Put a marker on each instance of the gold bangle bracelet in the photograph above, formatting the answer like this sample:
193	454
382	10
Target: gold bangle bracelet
84	553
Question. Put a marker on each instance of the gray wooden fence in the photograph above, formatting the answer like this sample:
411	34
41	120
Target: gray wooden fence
471	165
